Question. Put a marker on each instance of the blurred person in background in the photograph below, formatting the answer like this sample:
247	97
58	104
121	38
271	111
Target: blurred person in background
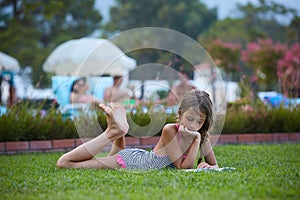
79	94
116	94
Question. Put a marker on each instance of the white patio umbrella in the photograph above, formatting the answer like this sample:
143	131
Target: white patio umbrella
88	56
8	63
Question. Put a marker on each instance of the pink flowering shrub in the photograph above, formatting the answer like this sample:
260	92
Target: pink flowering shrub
263	56
225	54
288	71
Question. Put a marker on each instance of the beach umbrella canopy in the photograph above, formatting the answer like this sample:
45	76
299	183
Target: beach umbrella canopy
8	63
88	56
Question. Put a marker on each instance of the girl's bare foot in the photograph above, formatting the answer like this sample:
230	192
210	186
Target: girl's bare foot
117	125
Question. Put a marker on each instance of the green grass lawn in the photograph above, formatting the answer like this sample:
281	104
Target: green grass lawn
263	172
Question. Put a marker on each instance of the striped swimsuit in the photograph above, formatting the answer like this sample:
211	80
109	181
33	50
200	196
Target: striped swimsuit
143	160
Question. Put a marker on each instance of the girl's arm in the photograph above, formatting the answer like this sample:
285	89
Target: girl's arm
210	158
192	153
173	148
72	98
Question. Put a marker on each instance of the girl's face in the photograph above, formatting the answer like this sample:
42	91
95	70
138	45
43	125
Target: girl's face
192	119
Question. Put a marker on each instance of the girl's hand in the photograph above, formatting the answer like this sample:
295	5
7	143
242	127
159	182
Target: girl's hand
188	137
186	132
205	165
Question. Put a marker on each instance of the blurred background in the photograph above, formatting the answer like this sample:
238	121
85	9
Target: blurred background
254	43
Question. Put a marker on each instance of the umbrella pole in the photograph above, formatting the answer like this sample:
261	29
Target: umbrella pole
12	92
0	89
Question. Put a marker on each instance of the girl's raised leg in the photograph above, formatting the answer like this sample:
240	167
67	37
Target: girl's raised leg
117	146
82	156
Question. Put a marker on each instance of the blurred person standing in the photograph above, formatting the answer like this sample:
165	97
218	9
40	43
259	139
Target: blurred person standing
116	94
177	91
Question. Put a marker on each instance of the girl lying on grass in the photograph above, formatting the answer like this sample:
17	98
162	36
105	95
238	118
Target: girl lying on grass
177	148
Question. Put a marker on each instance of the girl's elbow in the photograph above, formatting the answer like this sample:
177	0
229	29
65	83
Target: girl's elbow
185	166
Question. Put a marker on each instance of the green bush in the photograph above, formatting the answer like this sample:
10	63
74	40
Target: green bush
261	119
25	122
144	124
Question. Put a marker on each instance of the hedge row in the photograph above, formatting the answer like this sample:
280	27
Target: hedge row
262	120
26	123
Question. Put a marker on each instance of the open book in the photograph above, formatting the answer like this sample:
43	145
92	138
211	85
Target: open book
216	170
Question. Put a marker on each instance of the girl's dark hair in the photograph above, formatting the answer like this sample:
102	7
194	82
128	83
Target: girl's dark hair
201	101
75	82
